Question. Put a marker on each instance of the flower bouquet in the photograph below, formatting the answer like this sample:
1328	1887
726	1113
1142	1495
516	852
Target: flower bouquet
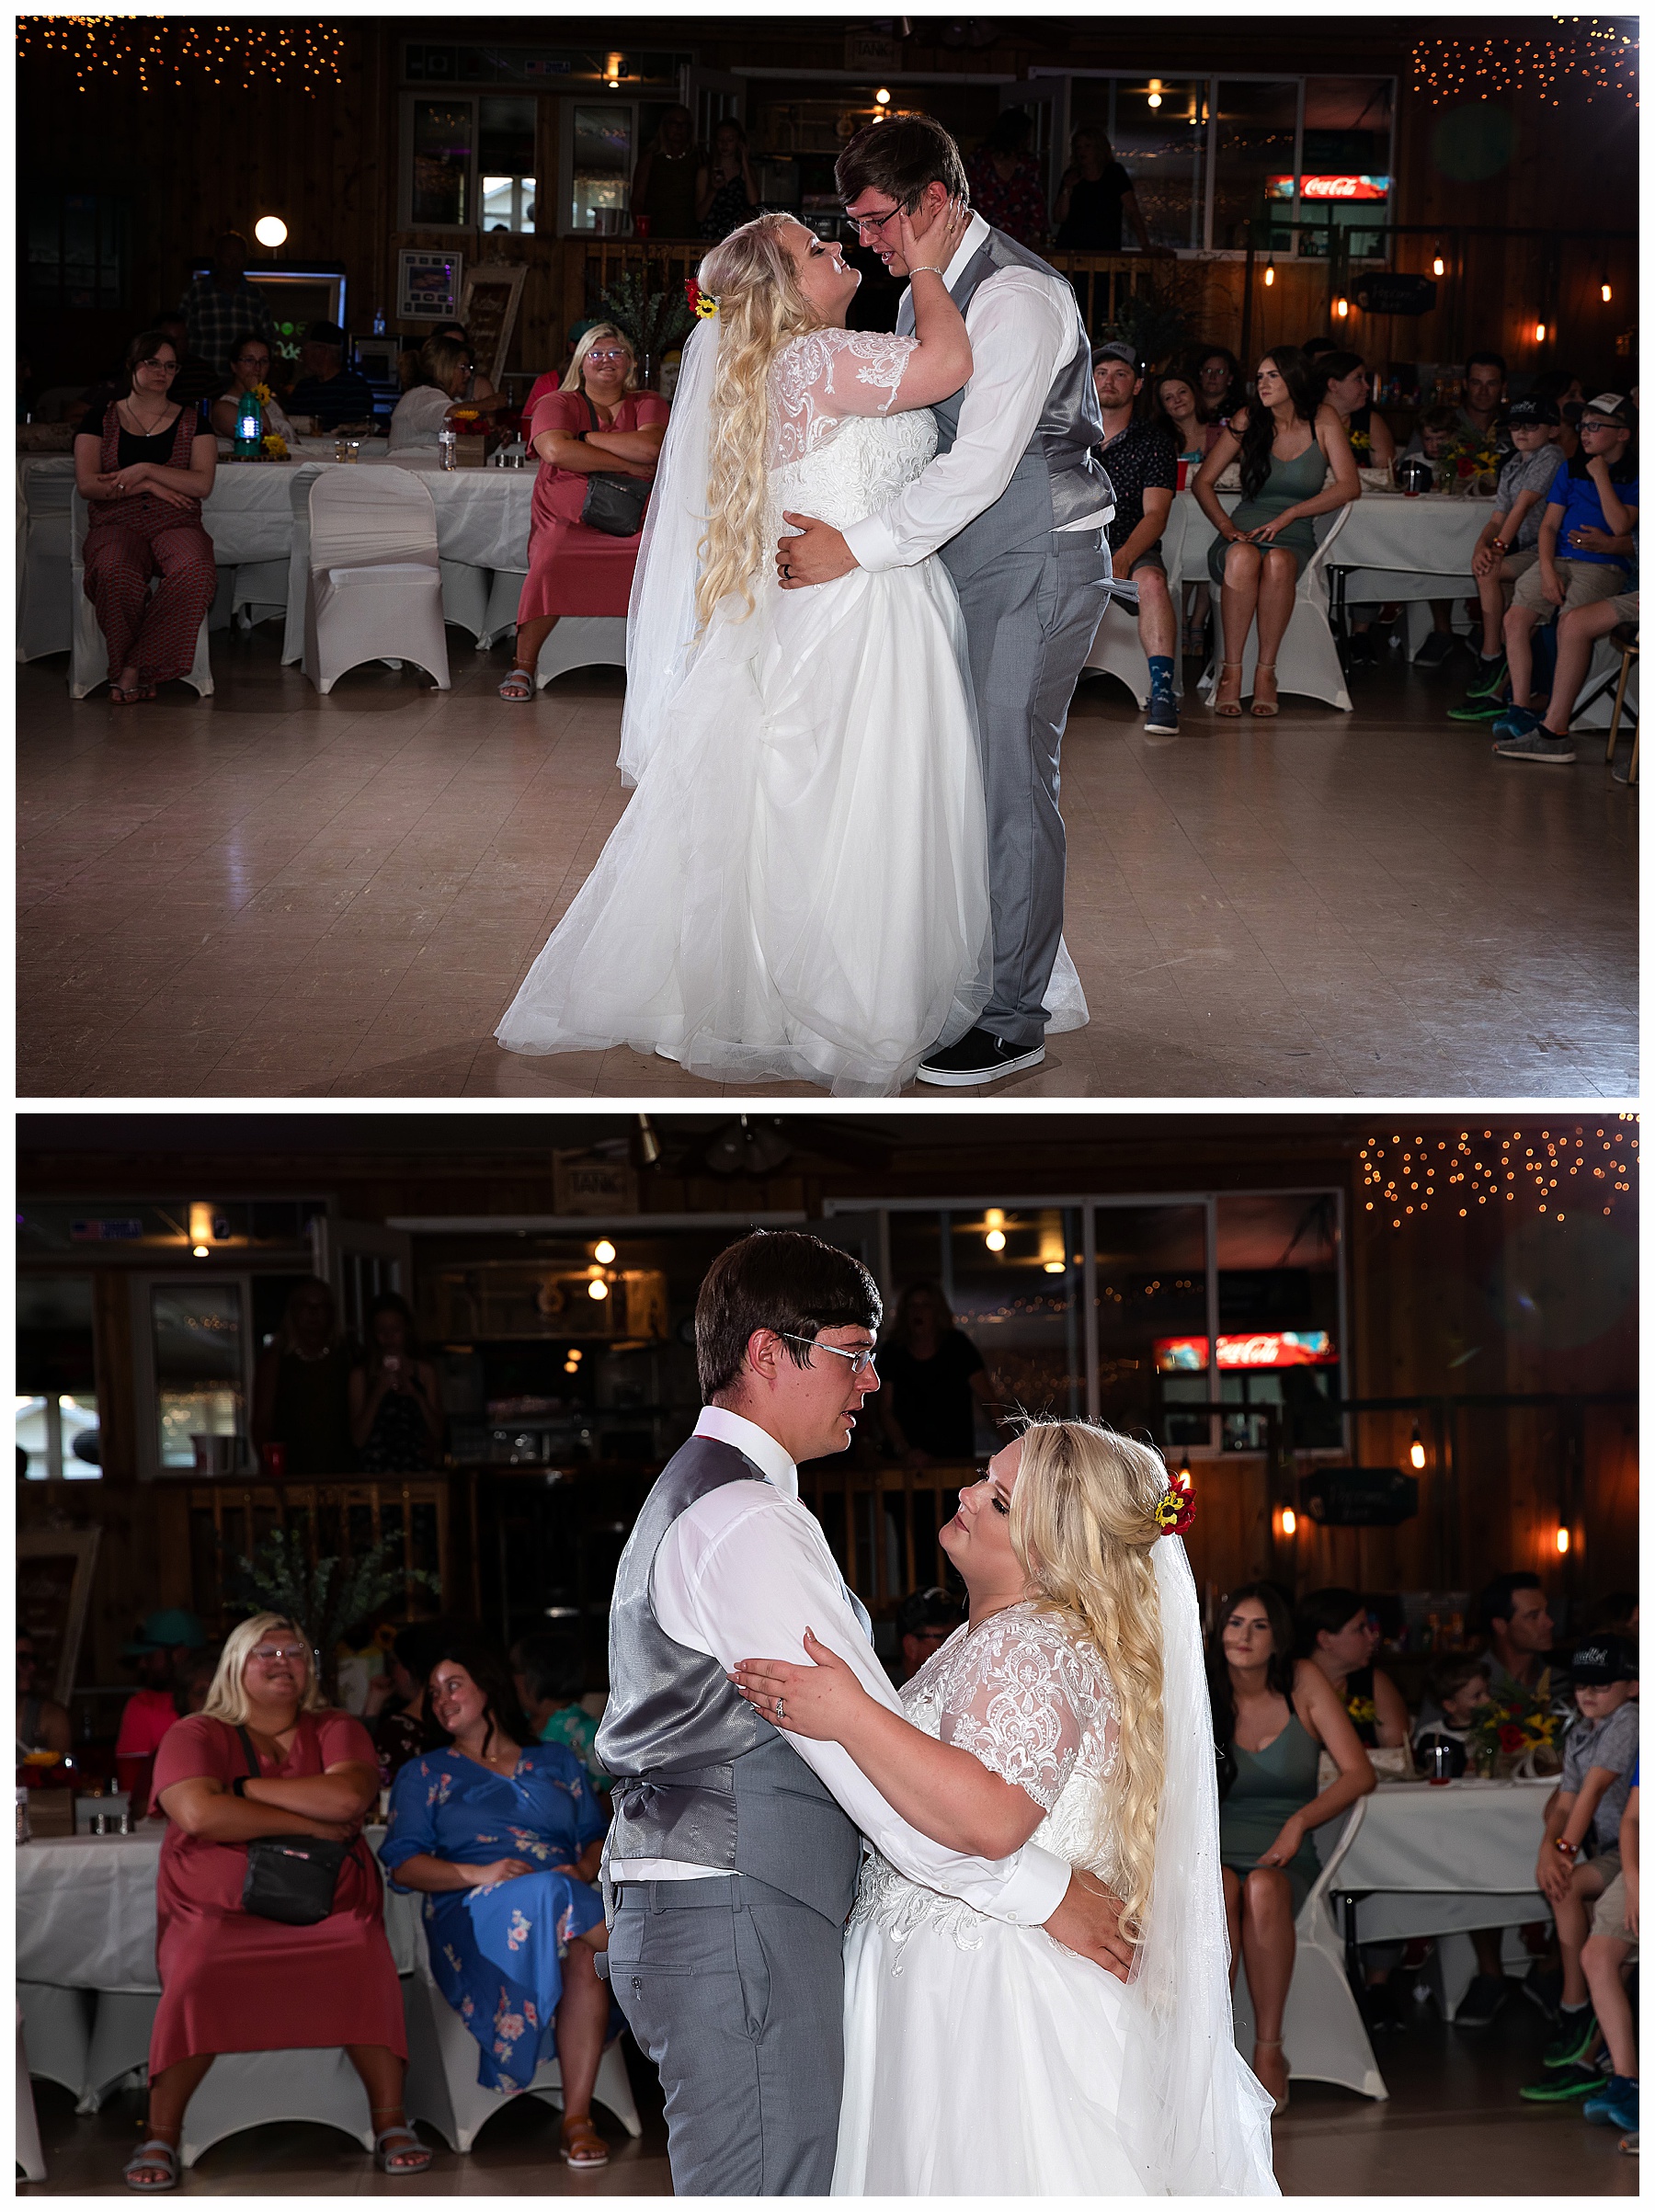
1469	462
1514	1733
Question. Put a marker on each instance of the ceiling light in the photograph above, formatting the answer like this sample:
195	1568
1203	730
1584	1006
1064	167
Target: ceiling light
996	1241
270	230
1439	267
201	1252
882	98
1608	292
1562	1541
603	1250
1416	1451
1289	1520
598	1288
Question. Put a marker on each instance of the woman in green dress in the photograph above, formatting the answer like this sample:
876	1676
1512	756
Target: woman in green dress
1296	464
1273	1718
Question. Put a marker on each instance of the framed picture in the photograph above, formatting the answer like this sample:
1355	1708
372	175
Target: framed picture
489	310
54	1592
427	285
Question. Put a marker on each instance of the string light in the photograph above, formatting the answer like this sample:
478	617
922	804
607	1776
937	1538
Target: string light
160	49
1539	334
1270	271
1608	292
1589	55
1341	308
1439	267
1580	1168
1416	1449
1562	1542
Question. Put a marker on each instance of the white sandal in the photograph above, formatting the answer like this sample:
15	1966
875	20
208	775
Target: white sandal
146	2155
518	687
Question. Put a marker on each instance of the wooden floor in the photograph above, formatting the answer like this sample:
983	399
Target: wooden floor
1454	2127
271	893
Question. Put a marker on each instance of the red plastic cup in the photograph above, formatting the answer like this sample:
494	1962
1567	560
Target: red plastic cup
1183	474
641	226
272	1458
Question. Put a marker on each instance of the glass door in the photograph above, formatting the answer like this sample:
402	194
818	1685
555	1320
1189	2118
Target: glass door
194	1354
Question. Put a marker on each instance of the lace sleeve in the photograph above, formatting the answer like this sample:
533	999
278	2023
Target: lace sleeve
1024	1702
829	374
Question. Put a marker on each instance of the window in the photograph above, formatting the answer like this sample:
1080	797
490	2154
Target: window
76	249
1257	140
598	136
57	1431
1152	1321
1280	1339
197	1347
1346	162
470	161
1160	134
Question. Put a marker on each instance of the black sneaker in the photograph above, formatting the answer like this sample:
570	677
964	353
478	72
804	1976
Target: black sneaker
1379	2006
1488	677
1563	2085
1482	2000
1435	650
979	1057
1577	2031
1161	719
1544	1991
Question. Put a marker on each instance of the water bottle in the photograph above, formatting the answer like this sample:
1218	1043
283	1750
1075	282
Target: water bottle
379	323
249	429
448	448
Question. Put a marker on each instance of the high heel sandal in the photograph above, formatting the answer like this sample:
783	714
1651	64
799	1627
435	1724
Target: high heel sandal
1262	706
1272	2043
1227	702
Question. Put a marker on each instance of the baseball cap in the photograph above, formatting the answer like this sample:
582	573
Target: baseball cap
163	1631
1609	406
325	334
1604	1658
1532	413
1117	349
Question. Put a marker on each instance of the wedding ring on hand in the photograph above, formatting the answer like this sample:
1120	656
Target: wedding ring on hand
780	1713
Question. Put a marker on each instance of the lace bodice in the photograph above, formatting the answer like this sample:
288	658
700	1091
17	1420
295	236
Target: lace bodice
836	450
1033	1703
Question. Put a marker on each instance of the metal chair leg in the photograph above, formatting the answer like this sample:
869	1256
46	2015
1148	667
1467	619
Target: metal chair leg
1628	655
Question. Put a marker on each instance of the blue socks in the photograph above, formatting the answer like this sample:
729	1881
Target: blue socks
1160	671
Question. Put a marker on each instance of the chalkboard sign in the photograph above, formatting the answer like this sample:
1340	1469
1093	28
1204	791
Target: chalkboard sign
1389	292
489	310
54	1588
1360	1497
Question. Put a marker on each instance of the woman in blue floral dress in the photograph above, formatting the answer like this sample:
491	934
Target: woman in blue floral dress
504	1836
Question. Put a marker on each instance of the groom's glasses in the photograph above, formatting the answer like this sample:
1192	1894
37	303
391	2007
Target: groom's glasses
861	1357
874	226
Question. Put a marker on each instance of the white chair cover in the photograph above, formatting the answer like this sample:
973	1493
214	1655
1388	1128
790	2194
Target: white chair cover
374	590
56	2027
44	497
465	597
442	2087
119	2056
582	641
1324	2037
1308	660
505	594
250	2089
29	2155
88	654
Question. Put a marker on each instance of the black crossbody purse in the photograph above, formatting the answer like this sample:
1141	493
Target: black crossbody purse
290	1878
613	503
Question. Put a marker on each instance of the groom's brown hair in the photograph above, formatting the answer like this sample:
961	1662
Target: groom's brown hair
899	159
778	1279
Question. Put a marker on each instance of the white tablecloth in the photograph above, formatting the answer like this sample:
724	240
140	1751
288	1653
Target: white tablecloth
1431	1860
86	1912
1395	547
257	514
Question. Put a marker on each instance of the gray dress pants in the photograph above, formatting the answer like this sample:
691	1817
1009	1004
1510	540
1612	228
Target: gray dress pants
1031	613
736	1992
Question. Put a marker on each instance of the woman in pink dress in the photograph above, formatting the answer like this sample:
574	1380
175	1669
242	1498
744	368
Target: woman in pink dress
598	423
232	1980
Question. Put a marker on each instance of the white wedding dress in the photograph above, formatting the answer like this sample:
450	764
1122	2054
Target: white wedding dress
799	885
983	2059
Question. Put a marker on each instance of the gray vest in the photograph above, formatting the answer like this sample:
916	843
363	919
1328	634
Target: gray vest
1058	480
698	1776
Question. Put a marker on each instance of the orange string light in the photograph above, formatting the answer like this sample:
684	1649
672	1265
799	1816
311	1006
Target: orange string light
1576	1167
158	48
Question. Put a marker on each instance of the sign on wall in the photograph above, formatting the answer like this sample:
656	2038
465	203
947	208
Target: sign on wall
427	285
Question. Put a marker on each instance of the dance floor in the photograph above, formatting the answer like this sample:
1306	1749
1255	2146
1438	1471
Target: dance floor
1454	2127
268	893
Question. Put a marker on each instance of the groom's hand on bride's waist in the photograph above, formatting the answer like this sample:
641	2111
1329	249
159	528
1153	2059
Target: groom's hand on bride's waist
1088	1920
815	556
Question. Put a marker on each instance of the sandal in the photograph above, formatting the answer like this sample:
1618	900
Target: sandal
583	2147
1227	702
1271	2043
1261	705
128	697
161	2160
519	686
391	2150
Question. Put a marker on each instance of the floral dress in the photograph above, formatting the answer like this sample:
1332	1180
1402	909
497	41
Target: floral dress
496	1953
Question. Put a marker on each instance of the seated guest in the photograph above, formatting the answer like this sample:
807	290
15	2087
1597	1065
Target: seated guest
925	1621
1273	1716
266	1758
1431	437
1459	1691
479	390
934	1380
549	1676
1345	388
1562	390
1179	404
1142	461
1610	1950
1509	544
505	1838
396	1709
423	411
1006	189
1585	548
598	423
143	464
1339	1635
42	1724
1514	1611
249	364
1218	378
396	1417
198	376
339	398
1579	1855
219	306
1317	352
1483	407
1578	630
1296	464
302	1386
158	1656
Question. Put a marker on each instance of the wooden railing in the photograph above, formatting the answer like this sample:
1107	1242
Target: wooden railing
882	1523
337	1517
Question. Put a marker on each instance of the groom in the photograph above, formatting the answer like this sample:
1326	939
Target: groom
732	1860
1015	503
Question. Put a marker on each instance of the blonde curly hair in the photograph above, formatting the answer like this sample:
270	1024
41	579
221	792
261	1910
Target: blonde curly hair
1083	1529
761	308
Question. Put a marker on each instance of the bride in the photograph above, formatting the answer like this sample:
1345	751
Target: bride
799	887
983	2059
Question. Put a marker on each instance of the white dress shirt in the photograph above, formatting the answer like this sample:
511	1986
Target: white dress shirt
741	1574
1023	325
